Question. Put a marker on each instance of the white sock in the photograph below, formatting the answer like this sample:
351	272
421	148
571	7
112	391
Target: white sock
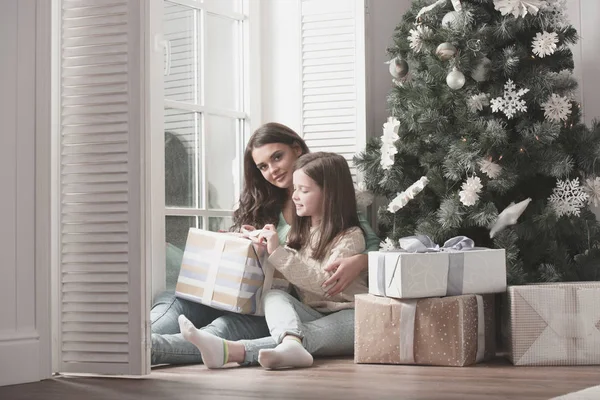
213	349
288	354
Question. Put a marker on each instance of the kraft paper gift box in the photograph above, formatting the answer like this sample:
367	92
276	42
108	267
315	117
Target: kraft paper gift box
446	331
554	324
426	270
226	271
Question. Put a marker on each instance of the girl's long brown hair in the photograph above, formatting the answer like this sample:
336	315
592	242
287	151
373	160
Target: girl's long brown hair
331	173
261	202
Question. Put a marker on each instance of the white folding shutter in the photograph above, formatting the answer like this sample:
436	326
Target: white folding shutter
102	305
333	76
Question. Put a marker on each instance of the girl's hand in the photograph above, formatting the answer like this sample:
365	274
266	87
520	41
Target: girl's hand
269	236
245	229
344	270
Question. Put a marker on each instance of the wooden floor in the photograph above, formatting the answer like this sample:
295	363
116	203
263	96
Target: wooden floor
329	379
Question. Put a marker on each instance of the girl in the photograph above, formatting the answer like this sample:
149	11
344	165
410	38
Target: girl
266	199
325	227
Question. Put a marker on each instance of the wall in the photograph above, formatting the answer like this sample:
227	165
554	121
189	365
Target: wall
584	15
382	18
24	323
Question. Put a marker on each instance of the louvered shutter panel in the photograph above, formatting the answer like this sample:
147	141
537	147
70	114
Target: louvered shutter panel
333	76
102	311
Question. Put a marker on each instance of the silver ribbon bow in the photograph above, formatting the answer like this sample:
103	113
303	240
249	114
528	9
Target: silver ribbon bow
423	244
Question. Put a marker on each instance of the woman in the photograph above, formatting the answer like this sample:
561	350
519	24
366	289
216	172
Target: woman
267	199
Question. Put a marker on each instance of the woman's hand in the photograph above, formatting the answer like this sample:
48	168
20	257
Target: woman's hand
344	270
269	236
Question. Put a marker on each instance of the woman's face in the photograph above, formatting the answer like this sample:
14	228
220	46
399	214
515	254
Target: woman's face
275	161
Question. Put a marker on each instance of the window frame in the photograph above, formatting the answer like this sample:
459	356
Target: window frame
247	121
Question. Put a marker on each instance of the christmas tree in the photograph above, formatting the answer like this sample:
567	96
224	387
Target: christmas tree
483	115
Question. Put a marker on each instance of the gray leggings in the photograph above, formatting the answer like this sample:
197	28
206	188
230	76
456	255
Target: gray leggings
321	334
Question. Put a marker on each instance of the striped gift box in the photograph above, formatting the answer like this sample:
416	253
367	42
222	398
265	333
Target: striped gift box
225	271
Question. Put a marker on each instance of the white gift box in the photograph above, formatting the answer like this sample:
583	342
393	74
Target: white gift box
448	272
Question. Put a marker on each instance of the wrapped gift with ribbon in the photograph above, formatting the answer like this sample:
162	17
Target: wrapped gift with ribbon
447	331
422	268
555	324
227	272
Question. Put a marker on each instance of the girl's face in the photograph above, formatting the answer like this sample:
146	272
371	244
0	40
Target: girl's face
275	161
307	197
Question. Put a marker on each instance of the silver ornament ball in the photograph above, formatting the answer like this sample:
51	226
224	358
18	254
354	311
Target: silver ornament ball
445	51
450	20
455	79
398	68
481	72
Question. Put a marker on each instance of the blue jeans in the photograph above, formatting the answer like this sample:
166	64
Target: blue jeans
169	346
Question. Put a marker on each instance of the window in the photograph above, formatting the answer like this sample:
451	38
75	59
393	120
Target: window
206	116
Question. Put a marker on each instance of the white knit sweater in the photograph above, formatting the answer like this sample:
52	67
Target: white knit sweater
308	275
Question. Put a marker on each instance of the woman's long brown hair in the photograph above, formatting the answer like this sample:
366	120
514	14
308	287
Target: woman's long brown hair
331	173
261	202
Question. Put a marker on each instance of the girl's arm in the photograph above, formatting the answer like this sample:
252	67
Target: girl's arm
310	276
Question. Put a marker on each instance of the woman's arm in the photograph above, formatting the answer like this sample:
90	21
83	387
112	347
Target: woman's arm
310	276
371	239
345	270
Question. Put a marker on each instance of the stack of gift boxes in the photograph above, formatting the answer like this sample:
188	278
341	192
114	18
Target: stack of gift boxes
435	306
429	305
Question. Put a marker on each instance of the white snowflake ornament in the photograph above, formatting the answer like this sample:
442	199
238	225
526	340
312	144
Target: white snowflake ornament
416	37
592	189
518	8
511	102
387	245
568	198
490	168
388	149
478	101
556	108
544	43
469	195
